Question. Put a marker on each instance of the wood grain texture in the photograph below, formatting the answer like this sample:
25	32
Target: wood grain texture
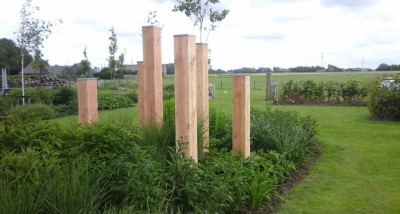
241	115
153	101
202	91
185	95
141	93
87	100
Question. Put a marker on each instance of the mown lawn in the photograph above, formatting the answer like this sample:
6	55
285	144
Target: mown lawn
359	171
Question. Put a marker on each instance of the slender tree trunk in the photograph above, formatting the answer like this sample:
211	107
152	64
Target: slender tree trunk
22	80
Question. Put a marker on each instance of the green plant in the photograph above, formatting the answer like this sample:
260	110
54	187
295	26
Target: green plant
41	111
64	96
20	196
285	132
220	129
76	187
107	102
384	101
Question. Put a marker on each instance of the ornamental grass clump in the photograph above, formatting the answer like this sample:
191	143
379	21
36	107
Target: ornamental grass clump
287	133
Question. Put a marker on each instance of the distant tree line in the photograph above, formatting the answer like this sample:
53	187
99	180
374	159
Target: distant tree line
386	67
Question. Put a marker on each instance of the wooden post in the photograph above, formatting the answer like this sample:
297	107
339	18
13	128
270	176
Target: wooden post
153	104
202	92
141	93
269	86
241	115
185	95
87	100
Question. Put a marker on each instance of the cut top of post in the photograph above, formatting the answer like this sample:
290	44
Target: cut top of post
83	79
240	74
151	26
184	35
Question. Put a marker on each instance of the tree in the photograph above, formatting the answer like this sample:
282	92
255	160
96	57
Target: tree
112	49
198	11
9	56
30	35
334	68
38	63
113	63
170	68
152	18
85	64
386	67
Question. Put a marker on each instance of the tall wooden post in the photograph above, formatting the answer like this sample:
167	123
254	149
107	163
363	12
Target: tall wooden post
87	100
202	91
241	115
153	104
141	93
185	95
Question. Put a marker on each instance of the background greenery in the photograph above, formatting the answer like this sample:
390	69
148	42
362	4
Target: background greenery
356	174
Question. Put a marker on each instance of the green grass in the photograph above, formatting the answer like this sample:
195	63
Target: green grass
359	171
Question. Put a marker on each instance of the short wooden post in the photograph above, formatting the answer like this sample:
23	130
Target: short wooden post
241	115
4	85
87	100
202	91
269	86
185	95
141	93
153	79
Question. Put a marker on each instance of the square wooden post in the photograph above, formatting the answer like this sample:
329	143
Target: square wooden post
185	94
202	91
87	100
141	93
153	104
241	115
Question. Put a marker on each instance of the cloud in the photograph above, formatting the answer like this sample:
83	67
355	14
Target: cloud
286	19
267	37
257	3
348	3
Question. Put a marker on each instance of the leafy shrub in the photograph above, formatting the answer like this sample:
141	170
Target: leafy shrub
70	108
41	111
132	96
168	91
111	167
220	129
108	102
306	92
287	133
353	92
333	91
384	102
64	96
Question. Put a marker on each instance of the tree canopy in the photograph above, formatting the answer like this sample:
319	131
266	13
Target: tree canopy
10	56
198	11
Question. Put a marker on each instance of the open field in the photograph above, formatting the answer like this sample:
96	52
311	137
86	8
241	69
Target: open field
359	169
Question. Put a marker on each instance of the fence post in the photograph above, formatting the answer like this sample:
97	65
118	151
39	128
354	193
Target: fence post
87	100
186	95
141	93
269	86
241	115
202	92
153	104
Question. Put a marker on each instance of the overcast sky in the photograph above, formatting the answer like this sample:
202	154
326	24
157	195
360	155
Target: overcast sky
256	33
